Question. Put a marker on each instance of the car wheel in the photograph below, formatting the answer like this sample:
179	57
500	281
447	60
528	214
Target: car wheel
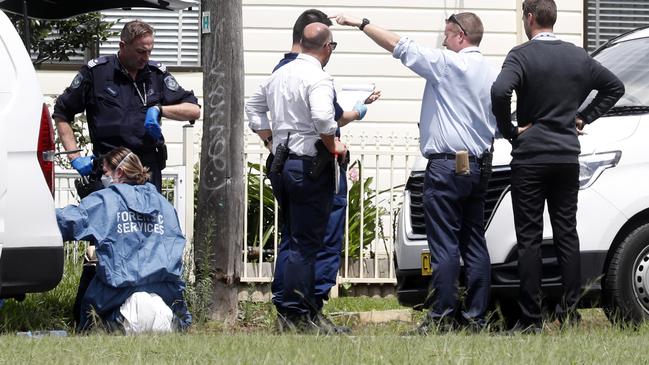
626	287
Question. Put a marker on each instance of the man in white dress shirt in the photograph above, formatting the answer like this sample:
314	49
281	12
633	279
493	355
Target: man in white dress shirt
299	98
455	116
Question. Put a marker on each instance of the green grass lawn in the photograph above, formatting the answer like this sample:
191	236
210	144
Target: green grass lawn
254	340
370	345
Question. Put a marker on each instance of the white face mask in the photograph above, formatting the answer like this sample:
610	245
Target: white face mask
106	180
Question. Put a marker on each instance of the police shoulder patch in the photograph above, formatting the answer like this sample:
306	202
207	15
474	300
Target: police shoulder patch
76	82
171	83
97	61
159	65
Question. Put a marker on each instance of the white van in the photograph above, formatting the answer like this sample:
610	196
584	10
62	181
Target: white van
31	249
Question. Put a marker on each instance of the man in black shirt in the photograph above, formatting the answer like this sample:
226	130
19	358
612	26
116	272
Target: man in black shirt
551	78
124	97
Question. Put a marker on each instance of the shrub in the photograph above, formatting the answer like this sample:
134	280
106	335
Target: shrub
45	311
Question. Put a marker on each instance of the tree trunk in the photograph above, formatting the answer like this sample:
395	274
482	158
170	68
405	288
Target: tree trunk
218	230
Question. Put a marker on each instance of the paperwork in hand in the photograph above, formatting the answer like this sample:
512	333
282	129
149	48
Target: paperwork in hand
351	93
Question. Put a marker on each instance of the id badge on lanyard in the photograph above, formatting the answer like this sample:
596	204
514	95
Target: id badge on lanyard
142	96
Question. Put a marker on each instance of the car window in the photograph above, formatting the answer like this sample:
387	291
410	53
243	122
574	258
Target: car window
628	60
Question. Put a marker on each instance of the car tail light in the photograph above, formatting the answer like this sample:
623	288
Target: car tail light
45	148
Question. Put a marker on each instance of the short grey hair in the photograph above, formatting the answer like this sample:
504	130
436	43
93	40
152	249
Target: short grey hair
135	29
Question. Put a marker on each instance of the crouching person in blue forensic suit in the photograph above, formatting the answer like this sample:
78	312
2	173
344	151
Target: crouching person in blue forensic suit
139	249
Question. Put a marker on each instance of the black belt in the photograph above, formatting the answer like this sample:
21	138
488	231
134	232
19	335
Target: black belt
448	156
292	156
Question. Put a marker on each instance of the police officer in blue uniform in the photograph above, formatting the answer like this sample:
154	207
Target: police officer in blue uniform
124	97
328	258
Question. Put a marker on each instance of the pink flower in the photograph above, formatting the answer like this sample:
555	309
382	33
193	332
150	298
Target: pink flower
353	174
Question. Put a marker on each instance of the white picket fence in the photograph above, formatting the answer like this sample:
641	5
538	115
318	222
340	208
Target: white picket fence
174	190
383	159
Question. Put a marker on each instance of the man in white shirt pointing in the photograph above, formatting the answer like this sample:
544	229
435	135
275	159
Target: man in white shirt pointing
455	121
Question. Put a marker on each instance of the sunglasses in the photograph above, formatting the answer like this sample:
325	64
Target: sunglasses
453	19
332	45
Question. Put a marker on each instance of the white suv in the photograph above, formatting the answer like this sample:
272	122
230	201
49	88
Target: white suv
31	249
612	217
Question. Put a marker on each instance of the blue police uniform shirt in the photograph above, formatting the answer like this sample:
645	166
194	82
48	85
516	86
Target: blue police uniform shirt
288	57
116	105
139	246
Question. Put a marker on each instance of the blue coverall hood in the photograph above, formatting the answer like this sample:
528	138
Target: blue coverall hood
139	198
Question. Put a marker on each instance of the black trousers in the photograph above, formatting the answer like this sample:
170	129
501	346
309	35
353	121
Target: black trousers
532	186
87	274
454	214
305	204
150	160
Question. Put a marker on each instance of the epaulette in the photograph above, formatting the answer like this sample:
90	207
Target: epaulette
97	61
159	65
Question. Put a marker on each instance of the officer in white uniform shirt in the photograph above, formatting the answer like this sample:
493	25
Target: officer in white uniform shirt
298	97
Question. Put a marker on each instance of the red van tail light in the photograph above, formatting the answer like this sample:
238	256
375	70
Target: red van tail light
45	148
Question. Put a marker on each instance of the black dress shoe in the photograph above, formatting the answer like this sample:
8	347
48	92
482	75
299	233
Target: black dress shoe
533	328
328	327
474	326
432	326
571	319
296	323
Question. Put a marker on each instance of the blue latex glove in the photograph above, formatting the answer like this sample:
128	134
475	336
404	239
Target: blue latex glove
361	109
83	165
151	124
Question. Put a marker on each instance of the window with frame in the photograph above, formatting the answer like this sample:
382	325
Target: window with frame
177	34
606	19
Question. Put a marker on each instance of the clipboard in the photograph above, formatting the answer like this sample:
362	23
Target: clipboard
351	93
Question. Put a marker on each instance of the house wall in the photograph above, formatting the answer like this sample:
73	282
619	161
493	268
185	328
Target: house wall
267	34
393	119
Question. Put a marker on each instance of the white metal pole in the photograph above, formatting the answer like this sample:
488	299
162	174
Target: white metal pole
188	162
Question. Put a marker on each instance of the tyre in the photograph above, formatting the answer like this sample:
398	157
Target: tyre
625	297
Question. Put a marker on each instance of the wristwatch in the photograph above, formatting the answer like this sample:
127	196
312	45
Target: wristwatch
364	23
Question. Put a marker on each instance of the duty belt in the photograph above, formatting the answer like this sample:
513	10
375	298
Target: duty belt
292	156
449	156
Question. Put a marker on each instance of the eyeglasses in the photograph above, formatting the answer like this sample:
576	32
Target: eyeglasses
331	44
453	19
